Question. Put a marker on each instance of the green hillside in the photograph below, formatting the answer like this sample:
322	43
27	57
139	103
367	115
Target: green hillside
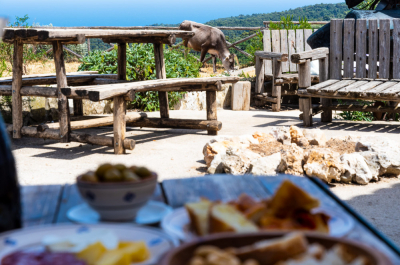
316	12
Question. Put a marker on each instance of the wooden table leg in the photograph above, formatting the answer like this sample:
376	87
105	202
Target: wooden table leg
276	90
78	107
326	116
63	106
16	87
211	102
120	105
119	125
160	73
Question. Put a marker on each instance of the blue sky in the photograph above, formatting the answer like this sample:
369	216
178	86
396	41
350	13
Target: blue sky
139	13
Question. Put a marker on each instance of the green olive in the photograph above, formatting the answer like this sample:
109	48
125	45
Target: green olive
101	170
133	168
112	175
143	172
128	175
89	177
120	167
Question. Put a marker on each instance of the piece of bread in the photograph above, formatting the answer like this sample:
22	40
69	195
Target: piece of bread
269	252
290	198
227	218
255	212
199	216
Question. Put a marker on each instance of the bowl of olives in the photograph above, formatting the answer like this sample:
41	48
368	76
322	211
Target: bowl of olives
117	192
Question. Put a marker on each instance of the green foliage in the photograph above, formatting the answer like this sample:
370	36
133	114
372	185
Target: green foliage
287	23
141	66
255	44
357	115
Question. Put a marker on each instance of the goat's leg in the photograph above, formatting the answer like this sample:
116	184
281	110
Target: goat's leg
214	60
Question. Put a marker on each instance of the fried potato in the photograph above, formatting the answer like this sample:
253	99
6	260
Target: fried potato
137	251
92	253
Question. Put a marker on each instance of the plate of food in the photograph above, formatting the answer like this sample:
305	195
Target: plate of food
104	244
274	248
290	208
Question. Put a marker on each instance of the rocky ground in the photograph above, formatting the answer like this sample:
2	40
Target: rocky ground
296	151
177	153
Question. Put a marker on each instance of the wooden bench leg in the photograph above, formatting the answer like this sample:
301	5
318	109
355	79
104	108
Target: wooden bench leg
63	106
17	118
259	76
214	61
119	125
160	74
305	105
78	107
211	102
276	93
326	115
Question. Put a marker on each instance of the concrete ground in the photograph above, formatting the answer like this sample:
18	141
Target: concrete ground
177	153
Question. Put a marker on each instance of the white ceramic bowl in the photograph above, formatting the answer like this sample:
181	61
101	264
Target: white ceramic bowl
117	201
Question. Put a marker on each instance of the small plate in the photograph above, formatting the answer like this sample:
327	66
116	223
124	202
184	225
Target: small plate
177	224
30	238
151	213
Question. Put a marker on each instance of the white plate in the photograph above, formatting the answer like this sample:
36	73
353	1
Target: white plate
177	224
151	213
157	241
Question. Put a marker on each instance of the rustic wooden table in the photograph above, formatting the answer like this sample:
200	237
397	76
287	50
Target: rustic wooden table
49	204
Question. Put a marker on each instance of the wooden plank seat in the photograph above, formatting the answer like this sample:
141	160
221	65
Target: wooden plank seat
376	76
272	64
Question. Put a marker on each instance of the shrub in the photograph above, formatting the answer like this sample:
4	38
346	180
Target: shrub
141	66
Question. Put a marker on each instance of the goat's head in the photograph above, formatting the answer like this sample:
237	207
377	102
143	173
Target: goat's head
229	62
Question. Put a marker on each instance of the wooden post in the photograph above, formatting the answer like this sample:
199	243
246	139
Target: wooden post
160	74
120	104
88	46
276	90
78	107
305	104
304	82
326	116
16	88
63	106
259	76
211	102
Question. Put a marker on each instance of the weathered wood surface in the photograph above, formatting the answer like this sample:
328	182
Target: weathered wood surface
372	49
284	49
16	89
272	55
102	92
55	201
40	204
266	98
344	107
361	48
33	35
63	105
396	49
91	123
315	54
292	48
306	107
293	79
75	137
304	74
384	48
317	87
276	89
267	64
260	66
348	51
335	52
211	108
213	125
240	96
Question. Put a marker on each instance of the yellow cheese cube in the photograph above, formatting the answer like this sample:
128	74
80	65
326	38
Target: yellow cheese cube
92	253
137	251
114	257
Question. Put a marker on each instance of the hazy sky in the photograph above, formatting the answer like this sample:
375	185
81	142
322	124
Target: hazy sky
139	13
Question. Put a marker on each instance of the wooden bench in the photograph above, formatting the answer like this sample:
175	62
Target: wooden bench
272	64
376	76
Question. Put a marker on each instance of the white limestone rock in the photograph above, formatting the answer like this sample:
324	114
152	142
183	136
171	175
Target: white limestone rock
237	161
387	151
372	160
297	137
315	137
356	169
293	161
268	165
324	164
281	134
216	165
